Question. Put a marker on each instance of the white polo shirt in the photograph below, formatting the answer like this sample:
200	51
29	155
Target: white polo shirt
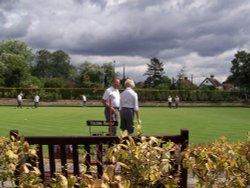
113	95
19	97
37	98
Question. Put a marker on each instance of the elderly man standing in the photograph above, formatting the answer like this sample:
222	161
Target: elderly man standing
19	100
111	101
129	107
36	101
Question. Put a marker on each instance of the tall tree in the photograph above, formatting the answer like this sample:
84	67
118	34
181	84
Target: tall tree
2	71
182	80
52	65
240	70
109	73
61	64
91	75
42	65
15	63
181	74
165	83
155	73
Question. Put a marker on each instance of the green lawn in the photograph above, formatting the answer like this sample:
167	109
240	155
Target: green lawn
204	123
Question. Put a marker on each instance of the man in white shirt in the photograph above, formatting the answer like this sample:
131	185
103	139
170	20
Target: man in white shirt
36	101
170	101
84	100
129	107
19	100
177	100
111	101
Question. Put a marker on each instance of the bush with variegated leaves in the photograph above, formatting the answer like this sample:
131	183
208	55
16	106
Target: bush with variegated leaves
13	159
220	164
140	163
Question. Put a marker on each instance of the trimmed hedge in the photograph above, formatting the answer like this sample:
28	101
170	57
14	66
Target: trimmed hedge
144	94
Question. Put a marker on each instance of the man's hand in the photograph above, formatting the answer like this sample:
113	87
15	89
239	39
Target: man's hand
139	121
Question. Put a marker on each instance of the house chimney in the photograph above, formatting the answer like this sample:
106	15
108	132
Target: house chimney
185	78
212	76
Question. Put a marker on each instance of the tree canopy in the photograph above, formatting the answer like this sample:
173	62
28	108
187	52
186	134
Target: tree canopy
19	67
52	65
154	72
240	70
15	63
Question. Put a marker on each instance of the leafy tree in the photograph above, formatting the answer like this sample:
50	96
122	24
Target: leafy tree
18	48
16	70
165	83
42	67
52	65
108	74
2	67
53	82
15	63
182	73
155	73
240	70
90	75
61	64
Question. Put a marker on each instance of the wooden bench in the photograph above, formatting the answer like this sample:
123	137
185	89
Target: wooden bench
48	164
100	123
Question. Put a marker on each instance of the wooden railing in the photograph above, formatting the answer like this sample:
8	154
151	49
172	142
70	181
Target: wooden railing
55	152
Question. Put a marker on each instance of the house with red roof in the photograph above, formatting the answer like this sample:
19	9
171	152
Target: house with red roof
211	82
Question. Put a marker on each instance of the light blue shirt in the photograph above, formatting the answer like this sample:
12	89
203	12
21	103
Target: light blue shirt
129	99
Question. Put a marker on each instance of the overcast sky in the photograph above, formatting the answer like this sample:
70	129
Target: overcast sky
200	36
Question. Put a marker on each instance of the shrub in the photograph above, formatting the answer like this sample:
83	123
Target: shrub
145	162
14	155
220	164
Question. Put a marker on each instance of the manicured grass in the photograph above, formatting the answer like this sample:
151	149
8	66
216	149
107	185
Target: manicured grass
204	123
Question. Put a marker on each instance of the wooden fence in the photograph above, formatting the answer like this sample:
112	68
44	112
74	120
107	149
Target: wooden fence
55	152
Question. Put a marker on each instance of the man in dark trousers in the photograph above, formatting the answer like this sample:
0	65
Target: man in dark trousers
129	107
111	102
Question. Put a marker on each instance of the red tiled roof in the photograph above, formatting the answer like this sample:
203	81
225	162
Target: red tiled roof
213	81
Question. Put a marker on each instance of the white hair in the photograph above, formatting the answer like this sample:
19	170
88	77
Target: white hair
129	83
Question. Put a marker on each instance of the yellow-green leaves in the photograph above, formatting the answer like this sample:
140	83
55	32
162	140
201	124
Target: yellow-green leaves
142	162
13	158
220	164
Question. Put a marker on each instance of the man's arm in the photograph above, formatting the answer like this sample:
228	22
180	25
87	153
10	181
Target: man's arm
107	105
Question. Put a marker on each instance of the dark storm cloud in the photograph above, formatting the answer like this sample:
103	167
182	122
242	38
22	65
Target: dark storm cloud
191	33
7	4
2	18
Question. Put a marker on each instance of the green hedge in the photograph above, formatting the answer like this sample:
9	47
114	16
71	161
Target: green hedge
53	93
144	94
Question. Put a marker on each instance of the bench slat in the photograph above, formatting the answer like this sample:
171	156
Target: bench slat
63	160
75	158
52	164
41	159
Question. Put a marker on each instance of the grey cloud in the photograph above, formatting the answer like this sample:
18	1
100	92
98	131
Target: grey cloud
171	30
150	42
2	19
8	5
18	30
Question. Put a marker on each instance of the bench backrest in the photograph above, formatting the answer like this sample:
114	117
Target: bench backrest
55	152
